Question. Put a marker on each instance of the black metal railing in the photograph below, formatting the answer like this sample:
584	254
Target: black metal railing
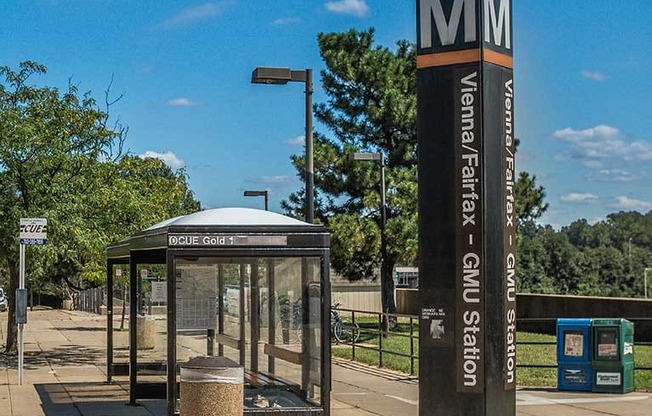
372	327
89	300
549	343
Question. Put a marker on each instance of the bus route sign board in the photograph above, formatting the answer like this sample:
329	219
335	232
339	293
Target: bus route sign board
33	231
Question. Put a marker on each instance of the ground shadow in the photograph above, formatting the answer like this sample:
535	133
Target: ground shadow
80	329
94	398
69	355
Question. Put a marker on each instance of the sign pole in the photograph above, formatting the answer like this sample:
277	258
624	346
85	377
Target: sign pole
21	340
32	231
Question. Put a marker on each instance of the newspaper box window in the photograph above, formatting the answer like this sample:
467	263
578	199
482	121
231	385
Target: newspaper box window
247	285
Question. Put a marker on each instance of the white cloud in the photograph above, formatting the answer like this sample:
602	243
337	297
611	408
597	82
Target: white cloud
168	158
297	141
625	202
614	175
193	14
593	75
523	156
278	179
286	21
579	197
602	142
593	164
357	8
146	69
182	102
601	132
273	182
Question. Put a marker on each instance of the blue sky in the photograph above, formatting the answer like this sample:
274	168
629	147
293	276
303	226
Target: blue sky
582	78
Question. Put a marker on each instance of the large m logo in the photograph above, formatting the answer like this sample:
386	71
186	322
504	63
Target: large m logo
498	25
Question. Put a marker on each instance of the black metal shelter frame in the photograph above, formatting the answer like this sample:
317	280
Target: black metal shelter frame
172	242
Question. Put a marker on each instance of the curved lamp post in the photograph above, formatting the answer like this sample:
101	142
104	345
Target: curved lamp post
281	76
259	193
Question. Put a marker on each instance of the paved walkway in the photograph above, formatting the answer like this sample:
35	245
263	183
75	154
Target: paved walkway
64	376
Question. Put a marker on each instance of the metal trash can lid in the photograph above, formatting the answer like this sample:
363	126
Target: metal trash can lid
199	363
212	370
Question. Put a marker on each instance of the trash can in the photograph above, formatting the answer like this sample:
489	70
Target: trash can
613	355
574	368
145	332
212	386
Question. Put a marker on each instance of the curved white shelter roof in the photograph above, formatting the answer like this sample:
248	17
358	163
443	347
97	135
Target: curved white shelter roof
230	216
227	221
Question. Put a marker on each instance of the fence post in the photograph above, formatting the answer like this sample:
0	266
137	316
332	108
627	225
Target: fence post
352	335
380	339
411	347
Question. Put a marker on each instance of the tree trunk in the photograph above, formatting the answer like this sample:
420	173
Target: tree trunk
124	302
12	329
387	297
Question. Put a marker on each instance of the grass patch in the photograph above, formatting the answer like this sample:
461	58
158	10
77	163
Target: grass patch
536	355
526	354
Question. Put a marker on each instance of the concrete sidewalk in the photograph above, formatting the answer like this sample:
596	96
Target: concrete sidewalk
65	376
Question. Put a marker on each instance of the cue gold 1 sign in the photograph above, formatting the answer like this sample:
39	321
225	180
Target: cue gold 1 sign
215	240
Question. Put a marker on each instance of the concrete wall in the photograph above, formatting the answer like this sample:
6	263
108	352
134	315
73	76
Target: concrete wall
537	313
528	306
361	296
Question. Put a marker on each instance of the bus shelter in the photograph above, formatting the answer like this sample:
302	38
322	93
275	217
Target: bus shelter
245	284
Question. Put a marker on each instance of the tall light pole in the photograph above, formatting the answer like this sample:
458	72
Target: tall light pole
281	76
630	256
383	222
259	193
645	280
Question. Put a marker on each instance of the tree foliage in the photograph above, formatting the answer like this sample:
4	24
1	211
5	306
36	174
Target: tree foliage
59	159
371	107
607	258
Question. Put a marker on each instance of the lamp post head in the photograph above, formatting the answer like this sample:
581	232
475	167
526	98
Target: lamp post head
365	156
262	75
255	193
277	76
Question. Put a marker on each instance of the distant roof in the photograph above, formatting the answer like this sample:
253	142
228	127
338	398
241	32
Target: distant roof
230	216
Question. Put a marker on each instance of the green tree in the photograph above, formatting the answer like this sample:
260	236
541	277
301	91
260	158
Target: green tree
128	195
562	262
532	276
60	160
49	141
530	198
371	107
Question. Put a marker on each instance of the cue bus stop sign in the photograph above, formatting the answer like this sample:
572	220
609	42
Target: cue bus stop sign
33	231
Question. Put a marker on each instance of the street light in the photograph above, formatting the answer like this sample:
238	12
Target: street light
259	193
645	280
383	216
281	76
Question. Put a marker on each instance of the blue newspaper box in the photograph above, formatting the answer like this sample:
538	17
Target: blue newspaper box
574	365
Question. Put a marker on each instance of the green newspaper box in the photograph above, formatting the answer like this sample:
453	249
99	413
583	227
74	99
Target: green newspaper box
613	355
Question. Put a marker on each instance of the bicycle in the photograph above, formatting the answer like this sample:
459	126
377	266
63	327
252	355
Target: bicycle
343	331
291	323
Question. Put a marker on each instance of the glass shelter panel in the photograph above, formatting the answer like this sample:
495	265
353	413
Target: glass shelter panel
265	313
121	314
151	322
